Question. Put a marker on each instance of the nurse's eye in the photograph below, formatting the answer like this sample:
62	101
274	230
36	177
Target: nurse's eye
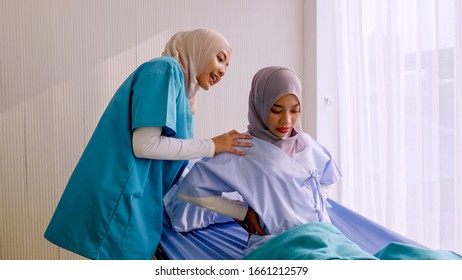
220	59
276	111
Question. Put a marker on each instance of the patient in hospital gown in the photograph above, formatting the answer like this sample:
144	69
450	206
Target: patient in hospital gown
281	178
275	192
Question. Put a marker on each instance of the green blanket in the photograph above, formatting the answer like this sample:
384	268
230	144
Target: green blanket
323	241
398	251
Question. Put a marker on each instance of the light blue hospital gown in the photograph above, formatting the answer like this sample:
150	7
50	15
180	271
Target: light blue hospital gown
111	207
284	191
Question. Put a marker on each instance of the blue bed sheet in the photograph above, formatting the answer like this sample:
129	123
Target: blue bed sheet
370	236
224	241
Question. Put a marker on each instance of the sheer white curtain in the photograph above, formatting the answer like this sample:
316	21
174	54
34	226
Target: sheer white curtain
400	115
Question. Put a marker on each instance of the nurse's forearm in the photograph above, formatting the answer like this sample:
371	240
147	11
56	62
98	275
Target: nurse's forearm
149	143
219	204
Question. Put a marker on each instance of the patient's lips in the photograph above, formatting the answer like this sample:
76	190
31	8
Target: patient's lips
283	130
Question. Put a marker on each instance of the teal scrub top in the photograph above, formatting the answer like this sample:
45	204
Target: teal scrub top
111	207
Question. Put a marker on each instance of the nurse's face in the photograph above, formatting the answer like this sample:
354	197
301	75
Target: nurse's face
283	115
215	70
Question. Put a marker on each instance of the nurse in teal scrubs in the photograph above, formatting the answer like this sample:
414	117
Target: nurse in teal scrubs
111	207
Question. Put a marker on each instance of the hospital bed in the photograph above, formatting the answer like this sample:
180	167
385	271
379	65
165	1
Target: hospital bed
226	241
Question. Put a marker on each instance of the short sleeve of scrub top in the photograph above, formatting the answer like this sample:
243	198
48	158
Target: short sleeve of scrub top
154	100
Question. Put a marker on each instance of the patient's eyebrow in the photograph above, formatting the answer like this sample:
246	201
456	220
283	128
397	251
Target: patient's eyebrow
280	106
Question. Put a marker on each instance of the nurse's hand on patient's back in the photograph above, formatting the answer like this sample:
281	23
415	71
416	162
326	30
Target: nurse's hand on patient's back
227	141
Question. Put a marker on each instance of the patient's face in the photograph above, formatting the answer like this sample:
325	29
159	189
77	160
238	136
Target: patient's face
284	115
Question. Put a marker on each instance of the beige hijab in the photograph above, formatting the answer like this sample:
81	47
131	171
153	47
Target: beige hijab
194	50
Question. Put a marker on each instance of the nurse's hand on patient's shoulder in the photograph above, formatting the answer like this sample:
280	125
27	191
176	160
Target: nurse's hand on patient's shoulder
251	223
227	141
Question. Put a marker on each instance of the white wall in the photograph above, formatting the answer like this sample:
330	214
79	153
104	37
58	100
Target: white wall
61	61
326	117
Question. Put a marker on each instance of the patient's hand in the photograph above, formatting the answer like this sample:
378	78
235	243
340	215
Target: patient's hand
251	223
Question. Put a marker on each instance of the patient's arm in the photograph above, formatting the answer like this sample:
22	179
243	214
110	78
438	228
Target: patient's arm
219	204
251	223
244	215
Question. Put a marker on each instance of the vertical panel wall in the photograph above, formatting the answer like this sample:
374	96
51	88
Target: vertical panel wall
60	63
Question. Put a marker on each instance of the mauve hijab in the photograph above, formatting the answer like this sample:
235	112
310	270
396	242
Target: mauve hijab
268	85
194	50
